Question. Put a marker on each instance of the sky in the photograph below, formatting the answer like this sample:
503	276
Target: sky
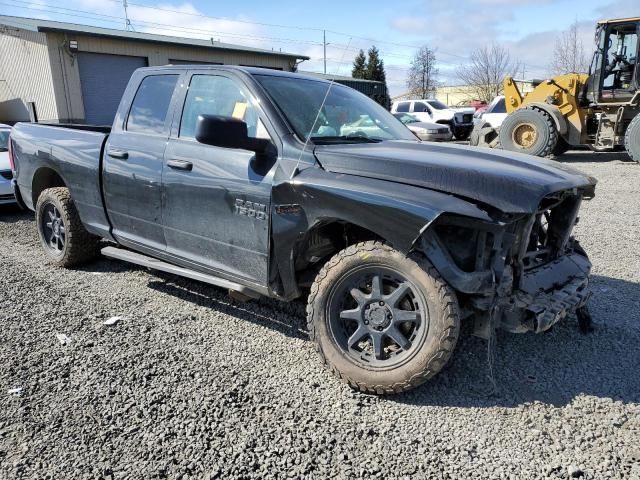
527	28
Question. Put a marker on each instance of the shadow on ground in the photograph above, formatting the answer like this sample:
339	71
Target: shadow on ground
552	368
13	214
587	156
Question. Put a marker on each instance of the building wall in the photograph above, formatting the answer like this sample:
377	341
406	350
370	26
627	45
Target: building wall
66	76
454	95
25	76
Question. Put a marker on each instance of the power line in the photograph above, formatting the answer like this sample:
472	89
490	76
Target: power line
114	19
173	28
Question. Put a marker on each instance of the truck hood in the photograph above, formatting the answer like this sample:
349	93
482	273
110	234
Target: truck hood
508	181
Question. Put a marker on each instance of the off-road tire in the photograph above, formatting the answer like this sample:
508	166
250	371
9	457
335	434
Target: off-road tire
79	246
443	327
547	132
632	139
480	133
474	138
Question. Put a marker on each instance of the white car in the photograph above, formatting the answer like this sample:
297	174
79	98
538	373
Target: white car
427	131
431	110
494	115
6	191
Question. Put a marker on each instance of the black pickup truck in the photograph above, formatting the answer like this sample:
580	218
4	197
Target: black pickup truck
276	184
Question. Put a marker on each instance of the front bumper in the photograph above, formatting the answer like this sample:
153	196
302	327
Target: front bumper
547	294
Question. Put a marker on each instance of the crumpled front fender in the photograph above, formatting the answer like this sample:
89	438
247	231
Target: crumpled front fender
395	212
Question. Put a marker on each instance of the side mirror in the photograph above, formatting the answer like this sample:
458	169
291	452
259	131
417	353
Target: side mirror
228	132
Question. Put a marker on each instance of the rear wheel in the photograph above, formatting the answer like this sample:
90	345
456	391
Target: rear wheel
383	322
63	237
531	131
632	139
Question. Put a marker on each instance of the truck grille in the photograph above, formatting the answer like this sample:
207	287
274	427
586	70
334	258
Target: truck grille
443	130
6	174
550	228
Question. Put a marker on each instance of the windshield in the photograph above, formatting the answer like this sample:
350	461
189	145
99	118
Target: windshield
4	139
438	105
405	118
346	117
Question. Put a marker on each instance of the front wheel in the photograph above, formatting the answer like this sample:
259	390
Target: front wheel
382	321
462	134
529	130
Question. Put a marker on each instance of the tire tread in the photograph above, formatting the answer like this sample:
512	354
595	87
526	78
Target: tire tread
448	338
81	245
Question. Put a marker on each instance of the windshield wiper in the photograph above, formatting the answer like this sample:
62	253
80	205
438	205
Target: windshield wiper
343	139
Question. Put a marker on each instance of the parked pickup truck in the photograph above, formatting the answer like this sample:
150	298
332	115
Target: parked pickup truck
241	178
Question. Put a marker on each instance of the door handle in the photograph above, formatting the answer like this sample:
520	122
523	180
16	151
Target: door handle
119	154
180	165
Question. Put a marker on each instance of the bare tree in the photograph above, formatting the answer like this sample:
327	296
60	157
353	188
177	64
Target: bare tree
569	55
422	76
485	71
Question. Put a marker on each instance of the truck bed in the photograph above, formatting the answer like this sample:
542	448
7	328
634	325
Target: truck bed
69	151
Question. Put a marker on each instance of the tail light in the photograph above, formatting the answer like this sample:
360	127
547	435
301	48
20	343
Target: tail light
12	163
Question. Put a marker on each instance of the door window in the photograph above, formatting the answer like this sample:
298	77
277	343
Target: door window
217	95
499	107
151	104
421	107
403	107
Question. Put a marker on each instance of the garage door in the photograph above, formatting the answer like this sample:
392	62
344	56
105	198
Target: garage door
103	79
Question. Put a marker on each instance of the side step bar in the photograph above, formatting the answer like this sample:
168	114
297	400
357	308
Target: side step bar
155	264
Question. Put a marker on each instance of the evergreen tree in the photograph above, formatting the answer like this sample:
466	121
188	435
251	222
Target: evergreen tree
359	66
375	66
375	71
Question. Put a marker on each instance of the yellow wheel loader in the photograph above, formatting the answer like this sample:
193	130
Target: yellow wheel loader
600	109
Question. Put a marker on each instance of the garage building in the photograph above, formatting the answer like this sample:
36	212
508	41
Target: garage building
55	71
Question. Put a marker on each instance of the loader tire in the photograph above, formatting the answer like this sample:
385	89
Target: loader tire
530	131
632	139
484	135
383	322
65	241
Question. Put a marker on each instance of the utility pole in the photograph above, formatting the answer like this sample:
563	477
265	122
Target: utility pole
324	46
127	22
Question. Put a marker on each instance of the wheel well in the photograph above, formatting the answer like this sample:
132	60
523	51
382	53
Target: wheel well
322	242
44	178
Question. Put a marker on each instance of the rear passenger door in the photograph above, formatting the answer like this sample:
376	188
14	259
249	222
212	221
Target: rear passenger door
216	211
134	157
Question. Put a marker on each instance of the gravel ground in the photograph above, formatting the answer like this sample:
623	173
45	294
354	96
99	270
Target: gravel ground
188	384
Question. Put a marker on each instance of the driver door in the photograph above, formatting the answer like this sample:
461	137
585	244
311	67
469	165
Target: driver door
216	205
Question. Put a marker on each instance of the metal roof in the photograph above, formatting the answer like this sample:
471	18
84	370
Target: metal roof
618	20
338	78
39	25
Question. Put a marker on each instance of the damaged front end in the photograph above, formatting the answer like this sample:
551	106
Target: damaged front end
521	273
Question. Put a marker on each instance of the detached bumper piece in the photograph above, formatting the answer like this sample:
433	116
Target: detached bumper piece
548	294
